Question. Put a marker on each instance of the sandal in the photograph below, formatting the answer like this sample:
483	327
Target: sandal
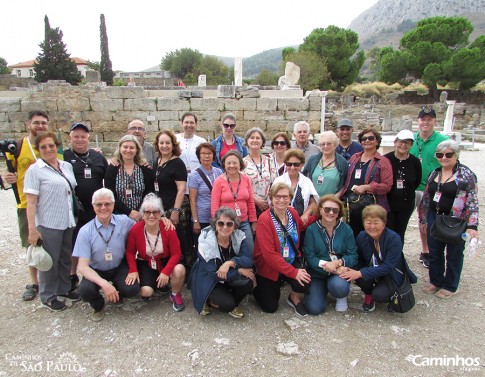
444	294
430	289
30	293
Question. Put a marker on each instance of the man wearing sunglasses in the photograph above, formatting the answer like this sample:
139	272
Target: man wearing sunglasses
228	140
301	132
426	141
347	147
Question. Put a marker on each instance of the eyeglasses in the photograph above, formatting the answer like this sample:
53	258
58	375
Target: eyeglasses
141	129
281	143
365	138
323	145
48	146
229	224
295	164
101	205
335	211
441	155
151	213
231	126
39	123
281	197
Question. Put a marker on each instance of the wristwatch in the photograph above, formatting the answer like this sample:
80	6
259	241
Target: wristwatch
196	221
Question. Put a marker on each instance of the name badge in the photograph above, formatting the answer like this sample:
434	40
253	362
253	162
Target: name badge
87	172
333	256
156	186
358	173
238	211
153	264
108	255
437	196
128	193
320	180
400	184
286	252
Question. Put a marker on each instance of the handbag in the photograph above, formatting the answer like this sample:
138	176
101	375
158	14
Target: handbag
356	203
448	229
402	300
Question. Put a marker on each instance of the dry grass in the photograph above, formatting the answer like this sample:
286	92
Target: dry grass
372	88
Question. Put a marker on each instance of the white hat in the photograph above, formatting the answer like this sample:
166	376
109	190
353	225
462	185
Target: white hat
39	258
405	135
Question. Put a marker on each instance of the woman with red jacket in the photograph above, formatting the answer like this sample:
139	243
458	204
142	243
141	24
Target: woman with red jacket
276	253
157	261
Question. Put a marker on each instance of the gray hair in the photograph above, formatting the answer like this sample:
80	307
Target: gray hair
451	144
229	116
225	211
331	135
103	193
301	123
253	130
151	201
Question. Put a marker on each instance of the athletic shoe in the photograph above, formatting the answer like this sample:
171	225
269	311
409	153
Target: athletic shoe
97	315
424	259
55	305
341	305
369	305
206	310
74	282
71	296
178	303
236	313
299	308
30	293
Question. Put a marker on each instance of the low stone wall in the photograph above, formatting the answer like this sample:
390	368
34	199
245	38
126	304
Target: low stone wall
466	96
7	81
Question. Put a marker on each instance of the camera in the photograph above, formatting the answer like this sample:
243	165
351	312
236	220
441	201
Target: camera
9	146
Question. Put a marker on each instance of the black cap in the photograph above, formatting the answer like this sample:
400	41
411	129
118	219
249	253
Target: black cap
427	111
79	125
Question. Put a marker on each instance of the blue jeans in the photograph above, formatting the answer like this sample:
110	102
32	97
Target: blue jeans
316	298
246	228
440	276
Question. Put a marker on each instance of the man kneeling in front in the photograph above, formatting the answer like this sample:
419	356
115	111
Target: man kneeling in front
100	246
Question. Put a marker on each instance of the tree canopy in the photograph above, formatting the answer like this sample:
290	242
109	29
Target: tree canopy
435	51
313	69
338	47
54	62
4	66
105	66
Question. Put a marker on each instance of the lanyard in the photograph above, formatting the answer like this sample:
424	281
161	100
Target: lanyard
439	180
223	258
109	239
326	166
31	149
327	238
260	167
80	158
234	195
152	249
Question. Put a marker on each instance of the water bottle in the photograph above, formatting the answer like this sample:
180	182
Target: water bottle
472	245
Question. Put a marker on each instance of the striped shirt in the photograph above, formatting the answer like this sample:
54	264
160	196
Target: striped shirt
203	201
54	205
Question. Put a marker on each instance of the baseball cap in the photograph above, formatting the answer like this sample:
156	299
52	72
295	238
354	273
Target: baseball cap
405	135
427	111
39	258
344	123
76	125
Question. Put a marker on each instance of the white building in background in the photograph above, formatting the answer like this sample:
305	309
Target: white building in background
26	69
153	72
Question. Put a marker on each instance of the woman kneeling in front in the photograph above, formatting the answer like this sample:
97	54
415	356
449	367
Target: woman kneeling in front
222	275
380	255
328	248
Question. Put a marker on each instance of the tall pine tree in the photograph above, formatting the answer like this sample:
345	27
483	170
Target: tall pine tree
106	68
54	62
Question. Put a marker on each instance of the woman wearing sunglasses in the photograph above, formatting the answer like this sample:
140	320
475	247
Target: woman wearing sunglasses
328	247
280	144
451	190
223	273
228	140
276	253
153	254
305	197
369	176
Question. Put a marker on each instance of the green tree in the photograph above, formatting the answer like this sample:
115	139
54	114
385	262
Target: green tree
54	62
266	78
105	66
4	67
313	69
180	62
339	47
466	67
95	66
287	51
392	66
217	73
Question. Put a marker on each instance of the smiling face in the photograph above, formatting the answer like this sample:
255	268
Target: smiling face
38	125
48	149
344	134
128	150
278	147
151	215
403	146
165	146
103	207
330	217
228	128
281	200
255	141
79	139
426	124
232	166
137	129
327	146
189	125
293	166
367	143
224	226
447	162
374	226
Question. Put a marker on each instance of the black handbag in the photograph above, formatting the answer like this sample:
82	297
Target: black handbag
402	300
356	203
448	229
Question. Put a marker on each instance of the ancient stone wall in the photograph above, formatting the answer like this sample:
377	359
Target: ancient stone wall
7	81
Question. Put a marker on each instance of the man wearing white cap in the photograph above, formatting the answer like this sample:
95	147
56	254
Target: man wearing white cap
406	171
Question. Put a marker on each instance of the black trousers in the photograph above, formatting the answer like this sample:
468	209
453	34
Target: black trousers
398	220
379	290
225	297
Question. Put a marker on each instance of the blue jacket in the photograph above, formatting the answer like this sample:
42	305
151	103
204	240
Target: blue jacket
315	247
393	261
340	163
203	276
217	143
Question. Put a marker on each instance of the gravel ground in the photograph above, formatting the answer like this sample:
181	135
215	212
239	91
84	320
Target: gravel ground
151	339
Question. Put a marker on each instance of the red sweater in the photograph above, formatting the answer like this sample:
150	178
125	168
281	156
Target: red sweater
267	249
137	243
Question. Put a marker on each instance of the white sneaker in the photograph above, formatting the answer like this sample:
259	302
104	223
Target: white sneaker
341	305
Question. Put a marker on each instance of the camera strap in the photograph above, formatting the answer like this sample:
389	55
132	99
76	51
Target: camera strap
31	149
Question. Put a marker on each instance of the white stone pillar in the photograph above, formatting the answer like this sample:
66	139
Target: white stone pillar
322	114
448	125
238	71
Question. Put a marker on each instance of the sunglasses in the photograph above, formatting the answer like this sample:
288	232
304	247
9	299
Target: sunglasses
295	164
152	213
48	146
231	126
441	155
335	211
229	224
281	143
365	138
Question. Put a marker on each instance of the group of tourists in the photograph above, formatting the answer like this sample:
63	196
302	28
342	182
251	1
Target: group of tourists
228	220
